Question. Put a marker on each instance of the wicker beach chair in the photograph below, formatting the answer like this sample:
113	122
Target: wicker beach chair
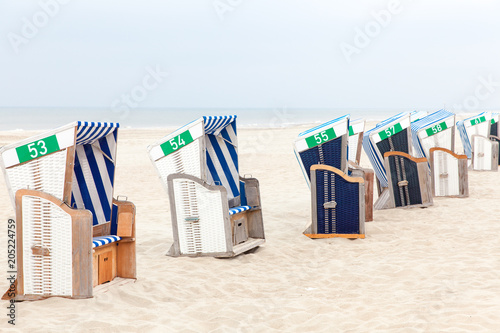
494	133
338	204
214	211
477	125
434	130
484	153
68	224
449	173
392	134
408	179
322	153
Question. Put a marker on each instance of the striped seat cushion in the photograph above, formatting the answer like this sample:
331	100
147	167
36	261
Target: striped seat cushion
103	240
239	209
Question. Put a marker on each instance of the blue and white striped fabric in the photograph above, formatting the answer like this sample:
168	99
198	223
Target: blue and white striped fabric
466	143
371	151
239	209
215	124
94	169
433	118
103	240
222	153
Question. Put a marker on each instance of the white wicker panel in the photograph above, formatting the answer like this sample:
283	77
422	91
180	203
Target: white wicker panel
441	139
353	147
479	129
482	153
447	164
48	226
44	174
206	234
185	160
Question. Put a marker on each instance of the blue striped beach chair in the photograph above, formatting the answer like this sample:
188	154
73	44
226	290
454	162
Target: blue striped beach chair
477	125
214	211
69	226
392	134
337	200
434	130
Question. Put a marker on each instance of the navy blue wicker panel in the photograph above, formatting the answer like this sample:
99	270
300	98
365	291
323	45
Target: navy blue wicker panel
407	171
344	219
399	141
329	154
494	129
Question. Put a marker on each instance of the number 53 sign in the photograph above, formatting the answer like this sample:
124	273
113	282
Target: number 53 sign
37	149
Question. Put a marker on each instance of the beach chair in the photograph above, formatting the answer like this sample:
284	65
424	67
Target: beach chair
214	211
449	173
337	204
477	125
484	153
356	130
324	144
434	130
71	234
392	134
408	180
494	133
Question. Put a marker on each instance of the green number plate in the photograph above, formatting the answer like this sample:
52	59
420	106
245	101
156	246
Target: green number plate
477	120
390	131
493	121
320	138
177	143
436	129
38	148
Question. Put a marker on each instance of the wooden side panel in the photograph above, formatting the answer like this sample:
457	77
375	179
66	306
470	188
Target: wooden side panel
82	254
425	183
126	251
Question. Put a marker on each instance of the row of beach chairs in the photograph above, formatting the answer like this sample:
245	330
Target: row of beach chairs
73	235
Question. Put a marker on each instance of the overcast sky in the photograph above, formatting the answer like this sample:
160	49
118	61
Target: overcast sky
250	53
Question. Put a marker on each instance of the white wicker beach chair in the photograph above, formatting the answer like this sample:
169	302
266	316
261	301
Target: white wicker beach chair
214	211
449	173
484	153
68	224
477	125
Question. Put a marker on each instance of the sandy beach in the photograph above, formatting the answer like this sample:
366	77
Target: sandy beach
418	270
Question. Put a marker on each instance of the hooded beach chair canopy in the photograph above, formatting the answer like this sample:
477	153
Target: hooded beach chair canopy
218	166
40	162
324	144
435	130
376	142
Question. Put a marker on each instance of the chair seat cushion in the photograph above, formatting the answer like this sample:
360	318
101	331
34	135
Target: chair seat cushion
103	240
239	209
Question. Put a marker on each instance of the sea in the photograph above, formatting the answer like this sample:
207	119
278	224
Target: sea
48	118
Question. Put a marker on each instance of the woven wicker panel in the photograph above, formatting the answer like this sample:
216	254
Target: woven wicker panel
44	174
200	218
47	226
344	218
482	151
441	139
353	147
403	169
445	164
185	160
397	142
329	153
